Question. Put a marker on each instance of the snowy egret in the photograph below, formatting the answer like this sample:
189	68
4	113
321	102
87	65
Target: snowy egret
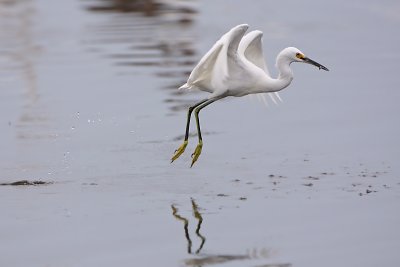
235	66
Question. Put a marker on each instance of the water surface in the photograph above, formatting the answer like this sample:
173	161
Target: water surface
89	102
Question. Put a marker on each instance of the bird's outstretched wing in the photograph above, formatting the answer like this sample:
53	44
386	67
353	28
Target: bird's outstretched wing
218	63
251	48
201	74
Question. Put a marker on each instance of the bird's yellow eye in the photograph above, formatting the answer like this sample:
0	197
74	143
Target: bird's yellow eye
300	55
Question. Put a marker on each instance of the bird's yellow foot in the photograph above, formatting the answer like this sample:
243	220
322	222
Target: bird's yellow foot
179	151
196	153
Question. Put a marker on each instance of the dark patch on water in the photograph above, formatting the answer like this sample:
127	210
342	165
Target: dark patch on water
148	8
26	182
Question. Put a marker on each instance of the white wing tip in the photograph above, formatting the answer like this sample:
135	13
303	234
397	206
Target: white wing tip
257	33
242	27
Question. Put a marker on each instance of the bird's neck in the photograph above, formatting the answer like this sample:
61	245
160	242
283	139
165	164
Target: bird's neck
285	76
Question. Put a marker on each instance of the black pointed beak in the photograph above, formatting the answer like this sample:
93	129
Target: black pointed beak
312	62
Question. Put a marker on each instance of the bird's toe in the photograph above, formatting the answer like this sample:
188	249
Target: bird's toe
179	151
196	153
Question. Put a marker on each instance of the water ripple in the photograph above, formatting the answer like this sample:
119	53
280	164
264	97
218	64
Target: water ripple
155	36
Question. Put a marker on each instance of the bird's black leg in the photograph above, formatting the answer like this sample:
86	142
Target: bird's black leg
199	147
189	115
181	149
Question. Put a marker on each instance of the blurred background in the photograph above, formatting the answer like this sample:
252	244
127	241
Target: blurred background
88	96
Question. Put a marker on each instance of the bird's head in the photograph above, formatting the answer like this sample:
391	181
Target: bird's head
295	55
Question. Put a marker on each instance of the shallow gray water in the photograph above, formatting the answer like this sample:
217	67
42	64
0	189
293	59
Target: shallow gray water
89	101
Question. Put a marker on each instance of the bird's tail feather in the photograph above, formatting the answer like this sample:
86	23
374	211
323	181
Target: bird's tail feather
184	87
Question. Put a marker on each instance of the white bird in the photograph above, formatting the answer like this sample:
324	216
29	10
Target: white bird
235	66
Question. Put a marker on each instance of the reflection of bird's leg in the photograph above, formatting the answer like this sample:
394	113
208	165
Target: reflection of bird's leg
198	216
185	227
181	149
197	151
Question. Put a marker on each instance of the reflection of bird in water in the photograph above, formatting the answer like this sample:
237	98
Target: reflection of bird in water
185	221
235	66
201	259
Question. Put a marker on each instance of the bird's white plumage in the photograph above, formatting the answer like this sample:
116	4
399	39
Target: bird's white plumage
219	64
202	75
235	66
250	48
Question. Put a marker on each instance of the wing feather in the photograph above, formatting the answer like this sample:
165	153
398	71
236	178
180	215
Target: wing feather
218	63
251	48
203	69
